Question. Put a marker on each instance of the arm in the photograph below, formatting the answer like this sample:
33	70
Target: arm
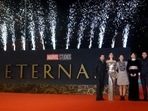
127	68
96	67
139	66
98	70
117	66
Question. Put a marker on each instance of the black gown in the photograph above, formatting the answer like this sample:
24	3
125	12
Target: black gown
133	68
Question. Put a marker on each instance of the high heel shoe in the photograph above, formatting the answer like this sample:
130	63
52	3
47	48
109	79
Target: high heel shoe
121	98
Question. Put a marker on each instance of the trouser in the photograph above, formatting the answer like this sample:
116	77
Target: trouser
144	82
100	88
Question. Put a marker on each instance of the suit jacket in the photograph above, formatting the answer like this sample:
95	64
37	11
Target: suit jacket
100	69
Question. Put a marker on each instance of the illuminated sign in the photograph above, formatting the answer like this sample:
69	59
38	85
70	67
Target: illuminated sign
54	66
59	56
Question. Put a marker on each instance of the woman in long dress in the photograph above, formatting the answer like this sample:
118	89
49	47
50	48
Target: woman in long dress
133	68
111	67
122	78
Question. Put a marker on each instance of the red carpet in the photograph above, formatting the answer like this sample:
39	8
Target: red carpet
61	102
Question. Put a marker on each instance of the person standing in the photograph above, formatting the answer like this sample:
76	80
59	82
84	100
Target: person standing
100	72
122	78
111	69
133	68
144	75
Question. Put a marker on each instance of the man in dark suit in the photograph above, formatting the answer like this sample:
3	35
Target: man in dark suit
144	75
100	72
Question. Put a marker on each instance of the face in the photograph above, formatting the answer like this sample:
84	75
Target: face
111	55
121	58
144	55
102	57
133	56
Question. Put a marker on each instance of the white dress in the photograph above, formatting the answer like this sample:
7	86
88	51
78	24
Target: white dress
122	78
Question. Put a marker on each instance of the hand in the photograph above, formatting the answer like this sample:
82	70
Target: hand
95	77
131	75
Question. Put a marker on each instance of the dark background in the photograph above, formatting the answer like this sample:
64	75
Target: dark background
138	36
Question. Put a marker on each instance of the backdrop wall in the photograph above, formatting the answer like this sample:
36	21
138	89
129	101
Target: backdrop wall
20	69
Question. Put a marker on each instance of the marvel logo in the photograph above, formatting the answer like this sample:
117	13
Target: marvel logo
59	57
52	56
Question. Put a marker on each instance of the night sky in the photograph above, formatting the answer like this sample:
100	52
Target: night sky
79	27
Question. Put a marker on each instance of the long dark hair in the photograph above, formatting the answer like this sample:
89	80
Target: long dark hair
112	54
134	54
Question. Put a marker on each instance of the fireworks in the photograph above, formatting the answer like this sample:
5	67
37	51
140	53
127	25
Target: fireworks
87	22
4	35
71	24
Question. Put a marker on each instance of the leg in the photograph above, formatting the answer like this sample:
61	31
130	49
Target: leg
124	91
114	85
147	87
110	88
100	86
98	91
143	82
101	90
120	90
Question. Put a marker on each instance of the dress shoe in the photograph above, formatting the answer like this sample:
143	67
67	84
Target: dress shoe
102	99
145	99
99	99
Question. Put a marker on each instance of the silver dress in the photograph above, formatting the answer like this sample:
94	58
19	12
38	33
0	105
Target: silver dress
122	78
111	66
